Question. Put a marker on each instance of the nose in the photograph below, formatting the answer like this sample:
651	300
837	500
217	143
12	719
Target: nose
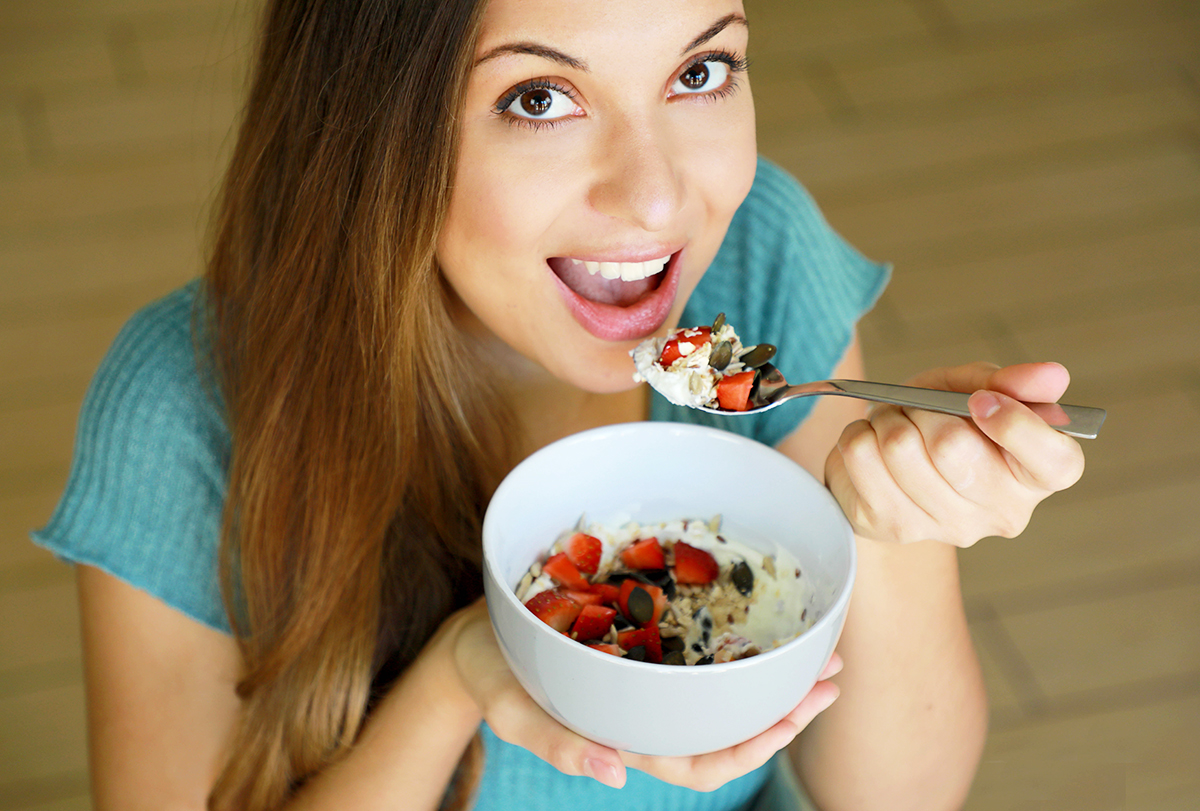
639	176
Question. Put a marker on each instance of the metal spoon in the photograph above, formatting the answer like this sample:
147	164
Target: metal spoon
771	390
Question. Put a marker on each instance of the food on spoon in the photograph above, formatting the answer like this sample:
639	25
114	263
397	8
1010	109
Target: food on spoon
702	367
678	593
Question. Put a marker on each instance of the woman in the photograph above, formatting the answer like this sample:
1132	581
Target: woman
397	310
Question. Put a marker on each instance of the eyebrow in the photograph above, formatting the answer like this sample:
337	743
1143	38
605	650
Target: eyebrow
714	29
534	49
555	55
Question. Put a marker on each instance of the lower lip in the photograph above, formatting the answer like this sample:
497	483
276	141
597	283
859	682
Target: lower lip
609	322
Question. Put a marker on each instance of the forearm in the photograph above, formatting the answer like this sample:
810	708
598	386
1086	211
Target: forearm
409	749
910	724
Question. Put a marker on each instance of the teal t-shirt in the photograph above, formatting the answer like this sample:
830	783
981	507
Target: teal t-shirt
144	498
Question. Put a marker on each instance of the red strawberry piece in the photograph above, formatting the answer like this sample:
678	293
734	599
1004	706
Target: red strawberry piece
564	571
643	554
607	592
585	597
593	622
605	647
733	391
696	336
647	638
555	609
657	603
694	566
584	551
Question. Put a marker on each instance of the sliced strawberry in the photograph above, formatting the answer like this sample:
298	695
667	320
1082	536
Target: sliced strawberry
733	392
647	638
696	336
607	592
643	554
585	597
605	647
694	566
658	602
555	609
584	551
564	571
593	622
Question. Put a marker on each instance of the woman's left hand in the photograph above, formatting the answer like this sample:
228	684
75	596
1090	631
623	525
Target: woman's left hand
905	475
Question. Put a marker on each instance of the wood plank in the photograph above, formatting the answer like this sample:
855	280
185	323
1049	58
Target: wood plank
976	68
52	738
1094	538
887	223
972	142
39	625
1107	643
57	200
813	28
72	58
19	515
1108	266
194	120
97	265
1149	744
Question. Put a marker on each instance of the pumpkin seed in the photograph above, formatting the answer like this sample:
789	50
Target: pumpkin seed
718	322
743	578
707	660
721	355
637	653
756	356
641	606
674	658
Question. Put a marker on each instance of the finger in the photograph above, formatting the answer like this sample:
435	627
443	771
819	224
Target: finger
1031	382
871	499
913	443
832	667
966	378
517	719
711	771
1037	455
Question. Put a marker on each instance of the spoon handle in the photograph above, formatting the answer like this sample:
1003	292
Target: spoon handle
1077	421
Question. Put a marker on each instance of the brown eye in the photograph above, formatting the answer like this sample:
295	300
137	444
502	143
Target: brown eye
695	77
701	78
537	102
542	103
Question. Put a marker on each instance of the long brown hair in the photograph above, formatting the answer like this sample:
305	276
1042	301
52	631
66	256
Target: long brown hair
360	465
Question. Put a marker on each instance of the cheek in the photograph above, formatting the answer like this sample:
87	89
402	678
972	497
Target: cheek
500	208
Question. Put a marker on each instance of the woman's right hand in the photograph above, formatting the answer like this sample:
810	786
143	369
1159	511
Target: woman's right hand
517	719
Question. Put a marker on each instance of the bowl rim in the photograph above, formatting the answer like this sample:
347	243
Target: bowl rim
832	614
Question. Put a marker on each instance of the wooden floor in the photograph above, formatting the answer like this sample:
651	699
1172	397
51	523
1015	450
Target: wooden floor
1032	168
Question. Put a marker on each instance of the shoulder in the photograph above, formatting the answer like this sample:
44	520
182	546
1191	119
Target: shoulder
147	478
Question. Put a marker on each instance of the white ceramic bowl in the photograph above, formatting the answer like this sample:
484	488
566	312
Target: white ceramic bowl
651	472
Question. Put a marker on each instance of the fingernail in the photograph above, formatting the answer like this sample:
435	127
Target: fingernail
983	404
602	771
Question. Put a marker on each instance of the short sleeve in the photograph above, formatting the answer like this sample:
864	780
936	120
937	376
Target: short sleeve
782	276
144	496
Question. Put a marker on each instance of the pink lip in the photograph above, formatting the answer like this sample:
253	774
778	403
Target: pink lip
644	317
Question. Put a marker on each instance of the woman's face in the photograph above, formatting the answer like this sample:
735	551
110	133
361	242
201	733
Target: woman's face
615	137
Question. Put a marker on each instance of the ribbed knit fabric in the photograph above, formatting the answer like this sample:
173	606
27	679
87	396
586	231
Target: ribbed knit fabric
148	478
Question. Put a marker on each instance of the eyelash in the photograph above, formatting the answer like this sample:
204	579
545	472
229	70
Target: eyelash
737	65
506	101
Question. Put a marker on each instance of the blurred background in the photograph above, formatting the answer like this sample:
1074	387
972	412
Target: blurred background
1032	168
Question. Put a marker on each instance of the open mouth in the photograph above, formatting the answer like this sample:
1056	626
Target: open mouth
619	284
618	301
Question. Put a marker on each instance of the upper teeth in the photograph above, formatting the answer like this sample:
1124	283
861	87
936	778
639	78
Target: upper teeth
627	271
